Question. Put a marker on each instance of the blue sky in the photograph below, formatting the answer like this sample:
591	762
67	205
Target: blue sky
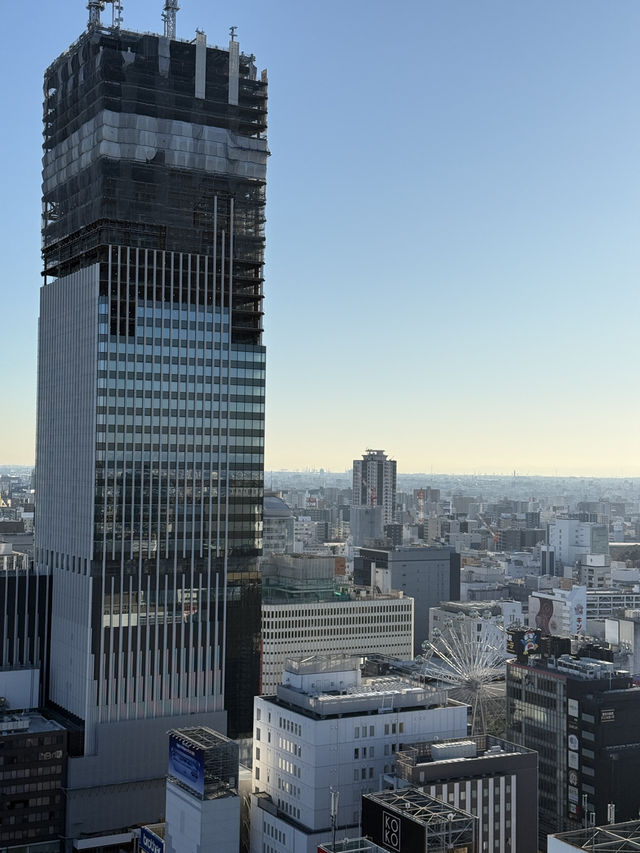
453	253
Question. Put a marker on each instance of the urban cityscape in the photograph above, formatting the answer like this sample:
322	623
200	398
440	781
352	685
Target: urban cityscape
208	646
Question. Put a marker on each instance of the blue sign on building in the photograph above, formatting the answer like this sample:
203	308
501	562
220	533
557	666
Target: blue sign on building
186	764
150	842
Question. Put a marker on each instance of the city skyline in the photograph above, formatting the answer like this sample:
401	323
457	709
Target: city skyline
473	192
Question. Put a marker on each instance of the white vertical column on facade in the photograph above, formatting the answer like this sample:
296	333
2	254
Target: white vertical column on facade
116	354
182	658
190	473
102	695
513	812
502	811
151	686
130	709
172	477
201	352
146	396
26	612
215	420
92	713
166	657
198	412
220	382
206	475
158	444
110	684
227	433
15	649
121	434
45	661
223	627
36	633
178	497
491	813
5	622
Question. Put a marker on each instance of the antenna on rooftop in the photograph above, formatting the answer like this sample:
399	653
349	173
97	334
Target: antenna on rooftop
95	7
116	19
169	17
232	33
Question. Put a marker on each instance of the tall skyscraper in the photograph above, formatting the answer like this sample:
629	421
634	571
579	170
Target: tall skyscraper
151	390
374	483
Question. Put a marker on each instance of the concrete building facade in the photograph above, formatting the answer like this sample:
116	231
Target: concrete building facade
328	727
580	715
355	622
428	574
492	779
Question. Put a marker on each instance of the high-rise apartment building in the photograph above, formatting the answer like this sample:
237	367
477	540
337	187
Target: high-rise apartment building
374	483
151	391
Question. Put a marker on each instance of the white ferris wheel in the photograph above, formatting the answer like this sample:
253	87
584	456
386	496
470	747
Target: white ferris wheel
471	671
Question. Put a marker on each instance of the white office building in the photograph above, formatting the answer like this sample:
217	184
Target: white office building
331	728
352	622
572	540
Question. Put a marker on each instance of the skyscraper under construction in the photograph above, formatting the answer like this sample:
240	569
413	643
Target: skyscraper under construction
150	397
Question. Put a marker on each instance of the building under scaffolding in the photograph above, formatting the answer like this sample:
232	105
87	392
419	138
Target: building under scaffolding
150	399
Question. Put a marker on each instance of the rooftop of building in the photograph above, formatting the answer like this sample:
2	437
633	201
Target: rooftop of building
492	607
27	723
615	838
275	507
483	747
414	803
201	737
337	594
585	669
334	685
417	549
205	759
351	845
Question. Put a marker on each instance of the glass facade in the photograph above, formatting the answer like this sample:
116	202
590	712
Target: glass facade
152	376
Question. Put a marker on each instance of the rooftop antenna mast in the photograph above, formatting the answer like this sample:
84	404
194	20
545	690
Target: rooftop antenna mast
95	7
169	17
117	14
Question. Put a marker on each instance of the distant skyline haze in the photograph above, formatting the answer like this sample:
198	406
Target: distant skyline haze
452	220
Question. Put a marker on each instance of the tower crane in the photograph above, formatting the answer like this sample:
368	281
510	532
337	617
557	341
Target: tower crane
488	527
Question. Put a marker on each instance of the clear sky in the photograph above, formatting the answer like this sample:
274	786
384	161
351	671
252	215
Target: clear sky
453	255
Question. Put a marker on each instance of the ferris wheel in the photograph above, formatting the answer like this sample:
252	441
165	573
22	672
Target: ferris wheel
471	671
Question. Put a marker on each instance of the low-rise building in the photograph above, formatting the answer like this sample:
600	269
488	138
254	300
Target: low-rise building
32	782
493	779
